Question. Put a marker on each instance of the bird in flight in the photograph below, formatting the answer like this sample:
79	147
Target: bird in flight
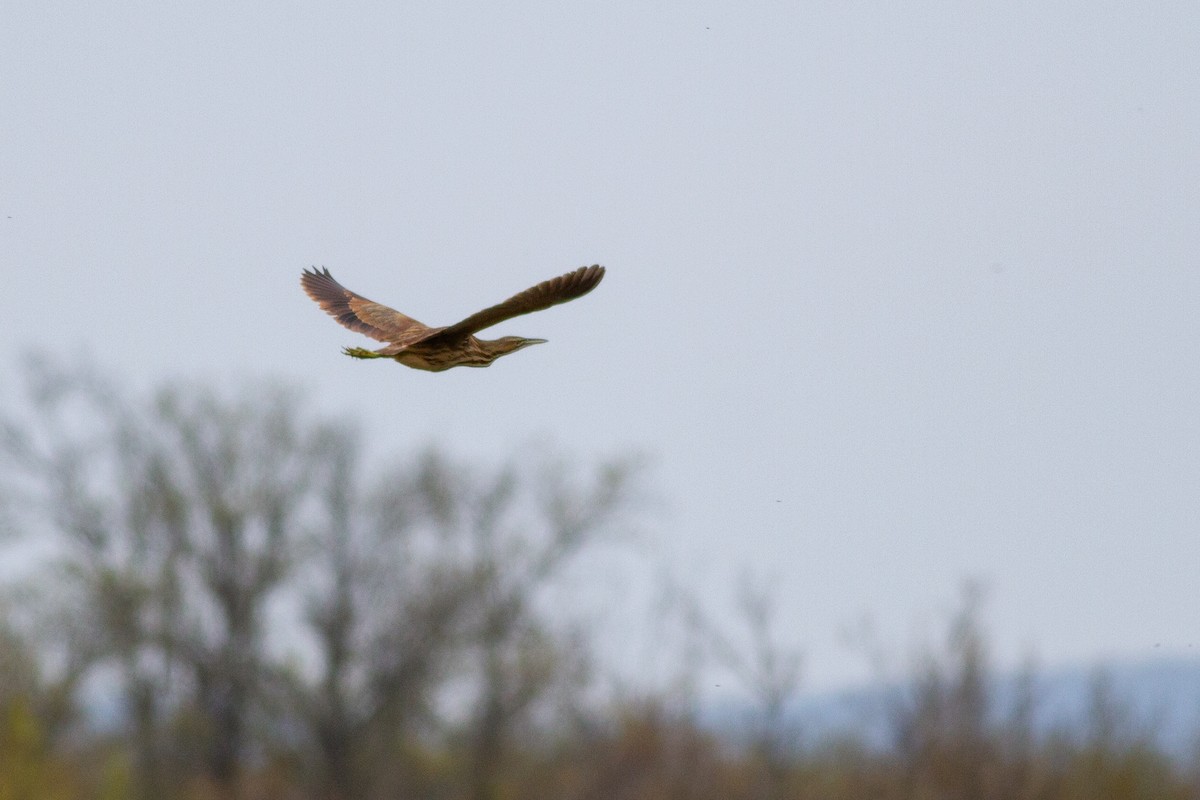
419	346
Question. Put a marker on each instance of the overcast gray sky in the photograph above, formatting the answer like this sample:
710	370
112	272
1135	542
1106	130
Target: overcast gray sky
898	293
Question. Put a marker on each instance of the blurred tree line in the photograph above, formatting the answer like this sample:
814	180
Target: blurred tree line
228	603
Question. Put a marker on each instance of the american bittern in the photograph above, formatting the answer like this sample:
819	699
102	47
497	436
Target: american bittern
435	349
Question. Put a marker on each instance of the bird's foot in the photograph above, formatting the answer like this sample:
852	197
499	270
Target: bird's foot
360	352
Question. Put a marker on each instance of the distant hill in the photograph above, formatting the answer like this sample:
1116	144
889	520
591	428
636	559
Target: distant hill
1158	699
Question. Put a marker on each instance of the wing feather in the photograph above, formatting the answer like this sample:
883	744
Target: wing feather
545	294
359	314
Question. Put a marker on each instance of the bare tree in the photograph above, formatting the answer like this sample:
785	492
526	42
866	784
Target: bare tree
183	524
177	523
112	577
954	734
238	479
514	533
768	669
386	615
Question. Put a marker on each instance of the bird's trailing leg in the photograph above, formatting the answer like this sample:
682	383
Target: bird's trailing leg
359	352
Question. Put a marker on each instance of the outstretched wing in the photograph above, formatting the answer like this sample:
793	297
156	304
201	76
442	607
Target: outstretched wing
545	294
358	313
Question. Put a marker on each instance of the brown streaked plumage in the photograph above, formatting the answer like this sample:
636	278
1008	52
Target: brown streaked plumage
417	345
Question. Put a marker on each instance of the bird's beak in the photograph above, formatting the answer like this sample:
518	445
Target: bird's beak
536	341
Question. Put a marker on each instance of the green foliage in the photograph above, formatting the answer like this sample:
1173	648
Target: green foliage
28	768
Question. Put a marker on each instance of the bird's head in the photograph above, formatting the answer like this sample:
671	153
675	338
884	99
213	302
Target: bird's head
510	344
